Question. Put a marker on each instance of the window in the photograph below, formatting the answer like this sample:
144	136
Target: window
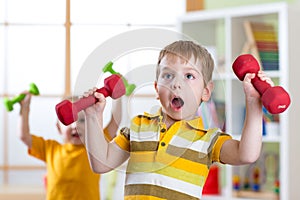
46	42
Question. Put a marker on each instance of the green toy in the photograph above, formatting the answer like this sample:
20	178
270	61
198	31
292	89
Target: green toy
33	89
129	87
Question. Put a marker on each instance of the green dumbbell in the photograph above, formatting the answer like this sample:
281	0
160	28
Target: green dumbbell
129	87
9	103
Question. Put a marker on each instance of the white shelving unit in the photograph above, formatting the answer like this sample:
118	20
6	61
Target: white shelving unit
222	31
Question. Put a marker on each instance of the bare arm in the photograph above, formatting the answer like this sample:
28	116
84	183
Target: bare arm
103	156
116	118
247	150
24	130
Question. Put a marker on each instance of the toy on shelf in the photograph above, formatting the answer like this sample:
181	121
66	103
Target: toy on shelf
67	112
256	179
9	103
246	185
275	99
263	43
129	87
277	187
236	182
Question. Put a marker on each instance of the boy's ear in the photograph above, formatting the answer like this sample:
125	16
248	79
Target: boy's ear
207	91
155	86
58	127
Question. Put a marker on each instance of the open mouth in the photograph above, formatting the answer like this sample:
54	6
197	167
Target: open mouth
177	103
75	134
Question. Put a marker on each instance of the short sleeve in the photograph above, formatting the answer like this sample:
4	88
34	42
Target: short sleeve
38	149
218	145
122	140
107	135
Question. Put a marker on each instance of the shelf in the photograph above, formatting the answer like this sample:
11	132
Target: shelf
256	195
222	32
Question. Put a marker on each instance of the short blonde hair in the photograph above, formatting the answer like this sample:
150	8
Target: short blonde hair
187	50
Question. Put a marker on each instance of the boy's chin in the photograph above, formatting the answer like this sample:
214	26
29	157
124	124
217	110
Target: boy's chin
178	117
76	141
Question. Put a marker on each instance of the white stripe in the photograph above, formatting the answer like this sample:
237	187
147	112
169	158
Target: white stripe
144	136
199	146
165	182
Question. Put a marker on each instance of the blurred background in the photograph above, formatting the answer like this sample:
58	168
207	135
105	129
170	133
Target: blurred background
47	42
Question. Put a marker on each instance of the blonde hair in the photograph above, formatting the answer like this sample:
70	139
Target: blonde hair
187	50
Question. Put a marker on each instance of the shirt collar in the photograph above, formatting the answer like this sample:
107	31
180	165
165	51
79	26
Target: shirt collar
196	123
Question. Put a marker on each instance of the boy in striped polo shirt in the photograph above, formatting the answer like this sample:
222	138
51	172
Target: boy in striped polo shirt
170	152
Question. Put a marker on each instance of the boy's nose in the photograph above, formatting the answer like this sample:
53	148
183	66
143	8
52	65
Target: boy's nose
73	125
176	84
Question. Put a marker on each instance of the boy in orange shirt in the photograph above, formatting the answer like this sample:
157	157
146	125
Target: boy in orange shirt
69	175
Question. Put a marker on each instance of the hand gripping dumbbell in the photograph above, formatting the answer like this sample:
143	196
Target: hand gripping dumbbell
275	99
9	103
129	87
67	112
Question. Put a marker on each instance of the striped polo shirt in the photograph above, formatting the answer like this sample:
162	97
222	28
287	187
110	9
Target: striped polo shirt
168	163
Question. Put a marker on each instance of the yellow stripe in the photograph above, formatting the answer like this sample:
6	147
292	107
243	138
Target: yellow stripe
141	125
141	197
166	170
265	35
190	135
194	135
182	163
143	156
182	175
166	159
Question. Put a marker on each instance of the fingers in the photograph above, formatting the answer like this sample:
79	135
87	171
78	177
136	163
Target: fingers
89	92
263	76
100	97
27	98
248	77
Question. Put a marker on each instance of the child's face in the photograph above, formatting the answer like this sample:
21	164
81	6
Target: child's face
180	87
73	133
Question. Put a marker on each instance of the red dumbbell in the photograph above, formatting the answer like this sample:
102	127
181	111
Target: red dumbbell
275	99
67	112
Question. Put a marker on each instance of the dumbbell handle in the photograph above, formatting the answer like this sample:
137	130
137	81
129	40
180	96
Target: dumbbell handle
260	86
86	102
18	98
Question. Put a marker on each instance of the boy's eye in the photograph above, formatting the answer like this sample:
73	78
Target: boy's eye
167	76
190	76
81	120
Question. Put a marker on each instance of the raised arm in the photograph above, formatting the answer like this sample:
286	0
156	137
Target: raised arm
247	150
104	156
24	130
116	118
